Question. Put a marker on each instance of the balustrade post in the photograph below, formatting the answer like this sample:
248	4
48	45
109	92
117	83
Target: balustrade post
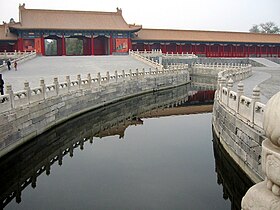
240	92
108	76
150	71
79	80
28	92
130	74
219	87
137	74
99	78
256	97
55	81
229	87
89	80
10	92
116	75
223	84
43	87
68	83
143	72
123	75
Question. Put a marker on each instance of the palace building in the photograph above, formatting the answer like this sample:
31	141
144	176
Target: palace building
107	33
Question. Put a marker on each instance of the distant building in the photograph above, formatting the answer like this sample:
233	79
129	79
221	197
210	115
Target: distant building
106	33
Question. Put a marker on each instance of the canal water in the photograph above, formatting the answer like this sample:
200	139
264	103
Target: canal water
153	151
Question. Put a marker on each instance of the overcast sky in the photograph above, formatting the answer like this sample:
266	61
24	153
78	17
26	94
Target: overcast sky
221	15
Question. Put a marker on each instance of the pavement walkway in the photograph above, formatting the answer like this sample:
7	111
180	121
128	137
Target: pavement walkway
265	62
61	66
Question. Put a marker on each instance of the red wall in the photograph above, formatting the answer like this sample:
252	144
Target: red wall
213	50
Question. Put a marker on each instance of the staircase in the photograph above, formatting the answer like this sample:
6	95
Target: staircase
265	62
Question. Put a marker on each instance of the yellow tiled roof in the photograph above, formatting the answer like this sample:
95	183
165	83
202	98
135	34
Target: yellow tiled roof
72	20
5	33
205	36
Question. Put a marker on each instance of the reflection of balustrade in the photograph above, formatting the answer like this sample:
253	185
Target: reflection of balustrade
45	150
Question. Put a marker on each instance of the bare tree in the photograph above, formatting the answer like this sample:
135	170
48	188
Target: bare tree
255	29
267	28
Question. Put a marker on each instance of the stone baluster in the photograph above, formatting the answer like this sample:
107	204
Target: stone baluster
256	97
60	158
266	194
43	87
27	89
89	80
10	92
116	76
123	75
68	83
55	82
137	73
108	76
229	87
99	78
223	84
240	92
130	74
79	80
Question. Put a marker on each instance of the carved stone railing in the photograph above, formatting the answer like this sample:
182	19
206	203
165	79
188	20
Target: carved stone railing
145	58
27	96
248	110
179	55
266	194
212	72
16	56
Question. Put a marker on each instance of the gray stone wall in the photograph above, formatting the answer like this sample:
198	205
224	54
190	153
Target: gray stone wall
20	124
242	142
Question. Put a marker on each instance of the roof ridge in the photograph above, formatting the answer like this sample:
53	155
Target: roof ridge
203	31
73	11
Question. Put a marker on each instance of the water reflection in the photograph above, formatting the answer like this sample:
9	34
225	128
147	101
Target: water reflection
22	167
235	183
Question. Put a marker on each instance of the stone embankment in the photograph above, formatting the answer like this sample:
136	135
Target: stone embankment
237	121
28	113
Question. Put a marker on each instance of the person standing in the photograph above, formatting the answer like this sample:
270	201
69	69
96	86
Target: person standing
1	85
9	64
15	65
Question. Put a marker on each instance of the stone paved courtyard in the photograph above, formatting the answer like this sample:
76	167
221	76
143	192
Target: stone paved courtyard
50	67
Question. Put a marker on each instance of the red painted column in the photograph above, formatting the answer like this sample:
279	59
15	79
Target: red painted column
92	45
63	45
111	45
42	45
129	44
20	44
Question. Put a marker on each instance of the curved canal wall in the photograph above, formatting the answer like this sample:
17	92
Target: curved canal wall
30	112
237	122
